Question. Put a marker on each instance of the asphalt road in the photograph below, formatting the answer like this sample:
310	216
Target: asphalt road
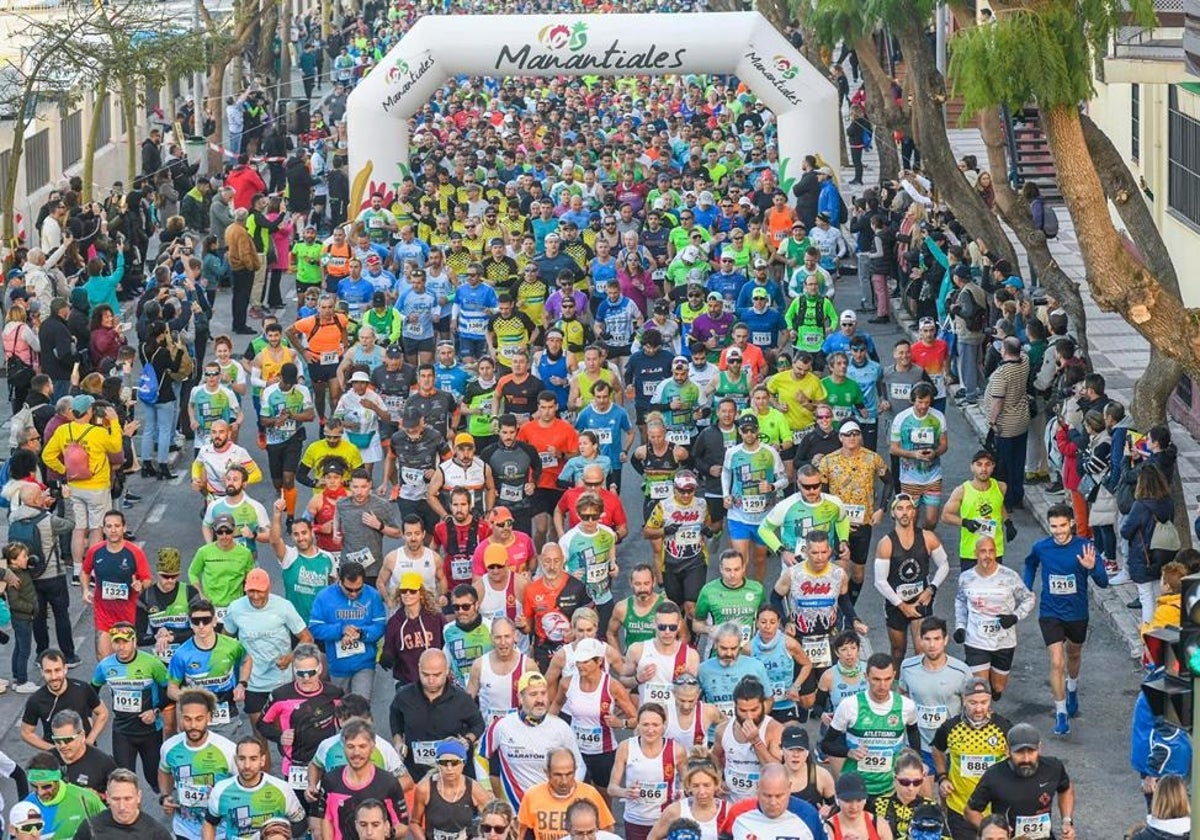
1096	751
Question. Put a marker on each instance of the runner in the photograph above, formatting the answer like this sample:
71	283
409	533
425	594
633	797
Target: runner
935	682
682	523
119	570
748	741
654	666
633	619
788	666
752	476
902	575
964	747
976	507
919	438
192	763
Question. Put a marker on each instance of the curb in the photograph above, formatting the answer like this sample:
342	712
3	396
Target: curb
1037	502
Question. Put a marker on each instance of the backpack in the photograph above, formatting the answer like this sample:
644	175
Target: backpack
977	320
27	532
187	365
147	389
1049	221
77	461
802	312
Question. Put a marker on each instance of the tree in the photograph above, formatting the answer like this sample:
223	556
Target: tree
228	42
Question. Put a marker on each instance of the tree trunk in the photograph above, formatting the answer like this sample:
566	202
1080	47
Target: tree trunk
885	115
14	164
269	18
216	104
929	132
129	109
89	144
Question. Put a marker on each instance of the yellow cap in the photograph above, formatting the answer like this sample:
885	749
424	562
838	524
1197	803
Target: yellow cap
529	678
411	580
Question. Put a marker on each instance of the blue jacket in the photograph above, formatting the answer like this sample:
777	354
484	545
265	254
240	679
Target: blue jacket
332	612
1138	528
103	288
829	202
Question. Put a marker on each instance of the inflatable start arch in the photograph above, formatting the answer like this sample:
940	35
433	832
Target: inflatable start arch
804	102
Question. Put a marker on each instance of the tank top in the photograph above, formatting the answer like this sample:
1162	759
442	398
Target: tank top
908	572
813	599
781	668
656	778
708	828
640	628
425	566
840	687
692	736
779	225
546	368
457	563
587	383
809	792
737	390
498	693
587	710
499	603
658	472
661	687
835	822
446	820
986	506
326	513
471	478
742	767
883	737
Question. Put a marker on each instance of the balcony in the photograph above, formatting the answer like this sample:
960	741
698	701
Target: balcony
1154	54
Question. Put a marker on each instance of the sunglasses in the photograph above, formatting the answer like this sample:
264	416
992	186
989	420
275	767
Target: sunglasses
223	531
352	590
589	517
449	762
507	523
463	607
686	679
667	628
909	782
409	591
491	566
30	828
201	620
593	484
167	576
807	486
851	434
307	673
492	828
64	739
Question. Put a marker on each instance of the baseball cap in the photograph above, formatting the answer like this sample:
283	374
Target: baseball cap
451	748
760	294
983	454
24	813
745	202
715	296
825	170
257	581
848	427
733	354
1023	737
588	648
81	403
495	556
795	738
759	262
529	678
464	439
168	560
748	421
412	418
976	685
394	351
680	361
411	580
851	787
224	520
686	480
124	630
824	217
690	254
705	198
848	316
360	376
500	513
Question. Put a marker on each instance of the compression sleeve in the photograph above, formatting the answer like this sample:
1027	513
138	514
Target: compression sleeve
941	564
882	564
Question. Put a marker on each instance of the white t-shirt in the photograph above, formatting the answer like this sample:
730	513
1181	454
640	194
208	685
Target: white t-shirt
757	825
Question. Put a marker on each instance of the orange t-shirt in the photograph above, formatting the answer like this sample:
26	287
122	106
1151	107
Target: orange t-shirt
562	436
326	341
545	814
779	224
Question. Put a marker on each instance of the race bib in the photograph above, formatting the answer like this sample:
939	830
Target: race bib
725	708
987	528
331	357
394	403
511	493
688	537
424	753
548	460
659	692
648	388
1062	584
761	339
857	514
363	555
591	739
799	436
840	413
191	796
127	701
986	625
346	649
597	572
931	717
921	436
900	392
742	782
813	340
652	793
603	436
412	476
298	777
817	648
909	591
878	760
219	614
460	568
660	490
679	437
973	766
112	591
754	504
222	713
1034	827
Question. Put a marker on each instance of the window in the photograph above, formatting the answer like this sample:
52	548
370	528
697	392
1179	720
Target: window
104	133
1135	122
37	161
1183	161
72	139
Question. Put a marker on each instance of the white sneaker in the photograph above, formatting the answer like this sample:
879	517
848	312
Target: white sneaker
25	688
1119	578
3	686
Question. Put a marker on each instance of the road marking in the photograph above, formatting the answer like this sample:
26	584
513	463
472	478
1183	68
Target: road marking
156	513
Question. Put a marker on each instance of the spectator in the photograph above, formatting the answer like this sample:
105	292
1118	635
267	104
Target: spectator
1152	508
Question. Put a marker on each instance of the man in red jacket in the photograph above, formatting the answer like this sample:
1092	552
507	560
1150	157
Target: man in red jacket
245	182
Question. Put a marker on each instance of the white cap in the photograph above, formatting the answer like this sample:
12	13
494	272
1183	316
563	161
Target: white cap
24	812
705	198
690	254
586	649
848	317
745	202
849	426
360	376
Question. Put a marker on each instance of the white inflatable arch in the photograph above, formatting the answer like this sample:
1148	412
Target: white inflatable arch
803	101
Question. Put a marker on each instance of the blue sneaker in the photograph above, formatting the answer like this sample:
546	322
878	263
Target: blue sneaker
1061	725
1072	703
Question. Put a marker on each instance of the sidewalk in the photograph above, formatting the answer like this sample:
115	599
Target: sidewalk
1121	355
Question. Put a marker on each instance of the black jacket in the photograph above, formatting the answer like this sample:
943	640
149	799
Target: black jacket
707	452
300	186
58	348
807	191
453	714
151	157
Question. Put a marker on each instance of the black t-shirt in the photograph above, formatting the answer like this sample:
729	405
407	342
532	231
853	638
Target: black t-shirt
104	827
91	771
519	398
42	705
341	799
1022	801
